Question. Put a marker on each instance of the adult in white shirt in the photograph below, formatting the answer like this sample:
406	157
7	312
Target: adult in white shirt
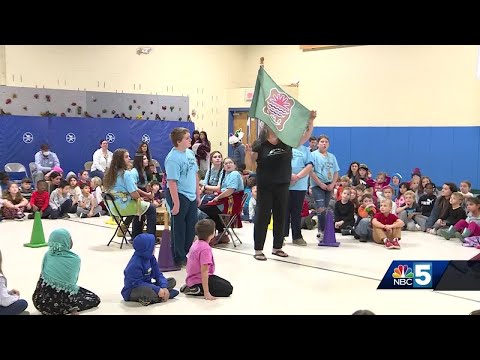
101	160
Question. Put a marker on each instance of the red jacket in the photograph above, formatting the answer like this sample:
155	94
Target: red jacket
40	200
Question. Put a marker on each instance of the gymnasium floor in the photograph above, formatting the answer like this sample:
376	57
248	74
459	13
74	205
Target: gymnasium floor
313	280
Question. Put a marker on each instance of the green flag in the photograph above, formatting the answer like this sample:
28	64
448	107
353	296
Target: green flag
279	111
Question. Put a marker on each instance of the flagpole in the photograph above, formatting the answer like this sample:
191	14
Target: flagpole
262	59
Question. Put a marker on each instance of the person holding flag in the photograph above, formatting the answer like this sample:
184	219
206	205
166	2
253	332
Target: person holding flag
287	124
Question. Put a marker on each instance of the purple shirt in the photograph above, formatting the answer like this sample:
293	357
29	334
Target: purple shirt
200	254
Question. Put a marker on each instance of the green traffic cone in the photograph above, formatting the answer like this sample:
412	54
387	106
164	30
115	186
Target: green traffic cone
38	238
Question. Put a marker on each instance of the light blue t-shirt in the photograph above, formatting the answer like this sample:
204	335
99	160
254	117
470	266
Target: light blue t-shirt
233	180
124	185
324	166
301	157
136	178
182	167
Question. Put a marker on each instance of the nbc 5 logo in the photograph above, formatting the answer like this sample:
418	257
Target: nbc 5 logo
417	275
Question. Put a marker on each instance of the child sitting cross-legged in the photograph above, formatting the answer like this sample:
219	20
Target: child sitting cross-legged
141	270
387	227
201	280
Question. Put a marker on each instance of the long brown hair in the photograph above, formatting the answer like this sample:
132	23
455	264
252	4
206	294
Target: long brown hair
116	166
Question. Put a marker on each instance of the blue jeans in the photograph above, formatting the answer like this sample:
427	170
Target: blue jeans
183	226
322	201
16	308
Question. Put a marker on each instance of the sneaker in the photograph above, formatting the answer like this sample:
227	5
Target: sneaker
82	215
395	244
433	232
309	223
299	242
320	235
144	301
388	244
418	227
65	216
31	216
346	232
20	217
195	290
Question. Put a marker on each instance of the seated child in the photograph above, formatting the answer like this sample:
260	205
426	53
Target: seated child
366	211
387	227
426	202
344	213
158	193
411	209
26	188
60	202
10	302
455	213
465	187
14	203
83	177
387	193
468	227
57	292
141	270
201	280
97	191
39	200
87	204
308	220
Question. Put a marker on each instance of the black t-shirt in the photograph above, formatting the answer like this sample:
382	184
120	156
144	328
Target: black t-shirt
427	202
274	163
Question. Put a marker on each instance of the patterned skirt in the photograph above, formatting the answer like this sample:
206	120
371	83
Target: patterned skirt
50	301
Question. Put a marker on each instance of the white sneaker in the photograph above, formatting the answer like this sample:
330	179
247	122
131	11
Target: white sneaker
417	227
433	231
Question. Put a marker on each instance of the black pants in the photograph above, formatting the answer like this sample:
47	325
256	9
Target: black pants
151	216
55	214
147	295
217	286
270	199
212	211
294	214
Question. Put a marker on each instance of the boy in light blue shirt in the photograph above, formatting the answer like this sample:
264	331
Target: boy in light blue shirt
183	193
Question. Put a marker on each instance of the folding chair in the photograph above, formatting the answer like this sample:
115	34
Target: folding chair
88	165
16	168
157	165
109	202
32	167
228	220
